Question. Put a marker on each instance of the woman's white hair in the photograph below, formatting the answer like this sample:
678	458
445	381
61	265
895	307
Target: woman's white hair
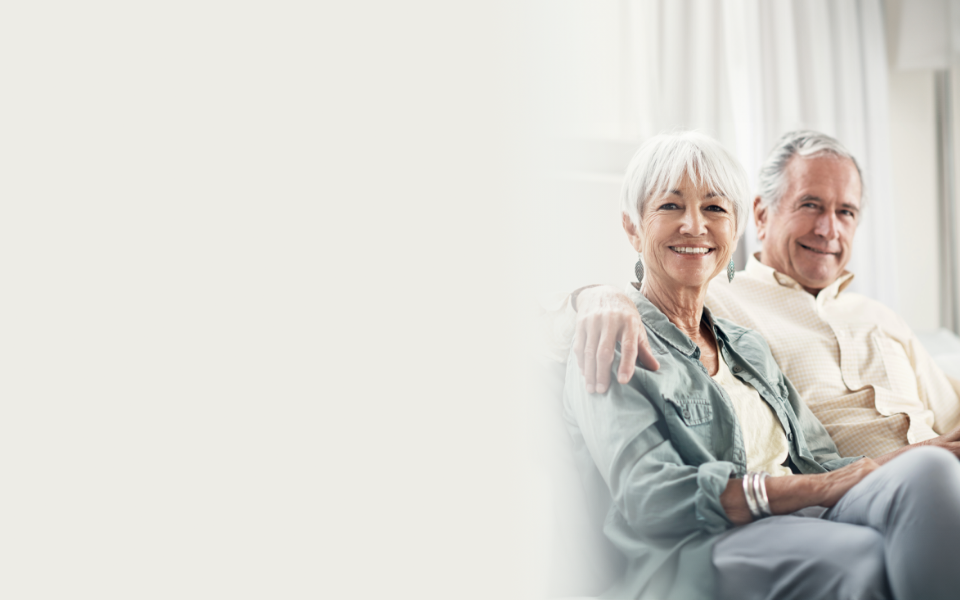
662	161
803	143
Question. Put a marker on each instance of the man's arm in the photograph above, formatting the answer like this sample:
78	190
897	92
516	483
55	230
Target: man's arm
949	441
605	316
935	390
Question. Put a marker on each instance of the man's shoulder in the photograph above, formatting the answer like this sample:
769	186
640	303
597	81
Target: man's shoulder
865	302
743	284
741	300
864	310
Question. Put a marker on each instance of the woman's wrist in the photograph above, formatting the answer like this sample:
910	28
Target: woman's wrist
791	493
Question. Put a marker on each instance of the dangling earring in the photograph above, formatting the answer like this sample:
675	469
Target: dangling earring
638	268
730	270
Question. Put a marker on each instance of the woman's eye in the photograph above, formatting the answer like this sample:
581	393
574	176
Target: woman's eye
716	208
669	206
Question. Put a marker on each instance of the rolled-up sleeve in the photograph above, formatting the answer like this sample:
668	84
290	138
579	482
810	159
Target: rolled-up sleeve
655	492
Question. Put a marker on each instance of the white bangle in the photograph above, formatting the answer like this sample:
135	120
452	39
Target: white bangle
748	492
760	492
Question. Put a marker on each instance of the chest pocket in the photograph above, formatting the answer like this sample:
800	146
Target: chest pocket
900	375
692	411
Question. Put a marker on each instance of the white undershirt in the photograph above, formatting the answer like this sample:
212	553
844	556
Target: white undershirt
763	437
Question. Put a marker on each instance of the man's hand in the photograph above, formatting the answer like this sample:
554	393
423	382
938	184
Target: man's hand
949	441
605	316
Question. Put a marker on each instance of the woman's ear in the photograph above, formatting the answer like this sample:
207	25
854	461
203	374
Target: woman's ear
632	233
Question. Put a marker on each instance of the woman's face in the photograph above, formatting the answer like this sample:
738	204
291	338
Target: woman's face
688	235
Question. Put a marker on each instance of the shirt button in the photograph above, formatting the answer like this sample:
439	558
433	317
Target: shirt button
737	368
789	437
686	413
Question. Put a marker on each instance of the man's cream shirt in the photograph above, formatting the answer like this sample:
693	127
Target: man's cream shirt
854	361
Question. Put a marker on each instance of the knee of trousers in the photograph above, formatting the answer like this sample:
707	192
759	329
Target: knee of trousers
926	471
855	567
836	561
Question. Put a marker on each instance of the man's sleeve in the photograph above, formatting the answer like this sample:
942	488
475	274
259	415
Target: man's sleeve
937	391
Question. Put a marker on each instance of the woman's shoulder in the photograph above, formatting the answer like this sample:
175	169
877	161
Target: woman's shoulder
732	330
744	340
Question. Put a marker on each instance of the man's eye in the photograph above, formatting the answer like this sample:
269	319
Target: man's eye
848	213
809	205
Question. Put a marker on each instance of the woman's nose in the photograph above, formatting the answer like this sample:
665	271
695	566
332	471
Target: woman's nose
692	222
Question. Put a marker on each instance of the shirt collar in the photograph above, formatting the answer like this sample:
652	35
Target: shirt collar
757	269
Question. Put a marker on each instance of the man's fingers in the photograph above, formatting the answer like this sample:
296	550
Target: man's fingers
578	341
628	353
634	346
589	365
645	353
953	447
605	353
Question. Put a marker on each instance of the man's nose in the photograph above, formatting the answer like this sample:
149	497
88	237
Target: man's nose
826	226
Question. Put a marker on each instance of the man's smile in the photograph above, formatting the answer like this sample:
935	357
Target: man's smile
818	251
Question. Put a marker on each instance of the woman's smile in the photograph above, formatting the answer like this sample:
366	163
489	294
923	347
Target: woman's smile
695	251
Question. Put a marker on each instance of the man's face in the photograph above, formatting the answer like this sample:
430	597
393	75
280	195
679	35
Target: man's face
810	235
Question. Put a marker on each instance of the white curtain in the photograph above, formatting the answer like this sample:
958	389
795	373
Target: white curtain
747	71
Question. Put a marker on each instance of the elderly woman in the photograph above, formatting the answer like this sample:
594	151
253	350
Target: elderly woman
723	484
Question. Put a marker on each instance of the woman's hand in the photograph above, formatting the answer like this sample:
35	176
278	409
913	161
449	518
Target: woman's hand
837	483
790	494
605	316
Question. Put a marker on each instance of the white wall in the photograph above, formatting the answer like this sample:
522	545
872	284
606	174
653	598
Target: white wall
913	146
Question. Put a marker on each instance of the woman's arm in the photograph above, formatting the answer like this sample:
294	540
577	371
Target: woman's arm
655	492
790	494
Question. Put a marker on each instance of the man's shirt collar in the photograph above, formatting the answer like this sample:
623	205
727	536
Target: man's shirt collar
760	271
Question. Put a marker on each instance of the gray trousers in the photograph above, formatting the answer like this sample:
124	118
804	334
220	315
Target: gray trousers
895	535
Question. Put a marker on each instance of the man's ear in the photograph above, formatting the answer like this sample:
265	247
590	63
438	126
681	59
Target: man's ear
760	214
632	233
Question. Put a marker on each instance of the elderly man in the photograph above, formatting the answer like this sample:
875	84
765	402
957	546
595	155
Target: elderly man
855	362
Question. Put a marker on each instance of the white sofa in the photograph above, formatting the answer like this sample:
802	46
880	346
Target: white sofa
582	563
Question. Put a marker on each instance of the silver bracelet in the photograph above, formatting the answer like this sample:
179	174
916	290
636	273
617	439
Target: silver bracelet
748	492
760	493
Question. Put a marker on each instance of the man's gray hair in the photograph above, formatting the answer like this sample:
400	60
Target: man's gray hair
803	143
662	161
